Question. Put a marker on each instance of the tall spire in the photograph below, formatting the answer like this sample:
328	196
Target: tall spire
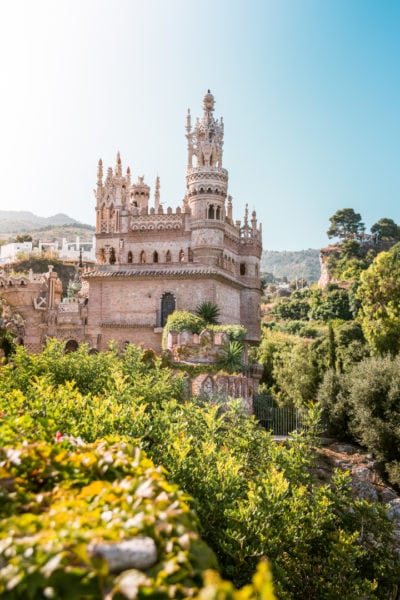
206	140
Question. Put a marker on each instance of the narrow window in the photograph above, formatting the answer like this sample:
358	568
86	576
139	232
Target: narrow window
142	257
168	257
181	256
211	214
190	255
130	257
242	268
167	307
112	257
155	256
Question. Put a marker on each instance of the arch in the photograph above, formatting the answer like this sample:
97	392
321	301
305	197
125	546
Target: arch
168	304
211	213
113	259
130	257
155	256
168	256
218	213
142	257
71	346
181	256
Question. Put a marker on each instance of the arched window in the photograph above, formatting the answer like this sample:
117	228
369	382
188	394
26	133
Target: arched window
130	257
181	256
167	306
242	268
112	257
211	214
102	258
168	256
71	346
155	256
218	213
190	255
142	257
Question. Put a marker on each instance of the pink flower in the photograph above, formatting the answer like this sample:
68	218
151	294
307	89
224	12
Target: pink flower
59	436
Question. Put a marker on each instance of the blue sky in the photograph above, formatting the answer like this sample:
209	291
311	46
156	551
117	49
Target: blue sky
309	91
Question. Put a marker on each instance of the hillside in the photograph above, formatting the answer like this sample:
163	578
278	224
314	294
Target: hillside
304	263
49	229
13	221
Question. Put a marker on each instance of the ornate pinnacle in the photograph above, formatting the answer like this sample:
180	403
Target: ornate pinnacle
128	176
246	215
188	121
100	172
157	194
118	167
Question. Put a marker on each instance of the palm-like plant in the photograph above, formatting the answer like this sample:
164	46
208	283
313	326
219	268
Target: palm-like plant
231	358
209	312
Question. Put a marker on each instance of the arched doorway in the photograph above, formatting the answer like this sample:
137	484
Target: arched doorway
167	306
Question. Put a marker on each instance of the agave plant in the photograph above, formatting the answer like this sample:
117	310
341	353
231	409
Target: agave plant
209	312
231	358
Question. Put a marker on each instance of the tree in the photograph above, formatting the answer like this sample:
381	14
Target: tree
386	229
345	223
379	294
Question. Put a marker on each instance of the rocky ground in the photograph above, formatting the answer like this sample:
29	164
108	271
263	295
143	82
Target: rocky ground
367	480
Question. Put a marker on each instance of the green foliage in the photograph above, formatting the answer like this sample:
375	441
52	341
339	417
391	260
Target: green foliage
65	497
254	498
181	320
332	305
379	294
291	309
386	229
209	312
295	375
365	403
235	333
231	358
345	223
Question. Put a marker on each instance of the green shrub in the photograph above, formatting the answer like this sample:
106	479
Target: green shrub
181	320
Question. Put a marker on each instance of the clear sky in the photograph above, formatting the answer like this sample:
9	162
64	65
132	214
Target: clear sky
309	91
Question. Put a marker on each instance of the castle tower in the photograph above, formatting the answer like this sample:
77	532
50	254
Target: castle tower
206	184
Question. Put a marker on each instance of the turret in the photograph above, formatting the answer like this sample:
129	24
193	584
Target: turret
206	184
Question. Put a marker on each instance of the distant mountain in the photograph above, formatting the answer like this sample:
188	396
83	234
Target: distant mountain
304	263
19	221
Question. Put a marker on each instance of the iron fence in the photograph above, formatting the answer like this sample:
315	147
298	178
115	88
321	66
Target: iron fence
279	420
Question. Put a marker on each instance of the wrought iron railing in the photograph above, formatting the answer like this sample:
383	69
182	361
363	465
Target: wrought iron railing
279	420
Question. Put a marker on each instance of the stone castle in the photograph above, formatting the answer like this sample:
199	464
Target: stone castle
150	260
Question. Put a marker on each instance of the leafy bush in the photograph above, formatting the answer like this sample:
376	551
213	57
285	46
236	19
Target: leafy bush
291	309
253	497
181	320
235	333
